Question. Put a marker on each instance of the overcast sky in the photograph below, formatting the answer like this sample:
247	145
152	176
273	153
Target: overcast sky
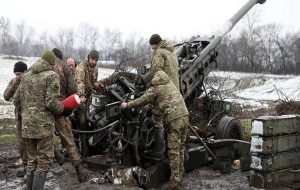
172	18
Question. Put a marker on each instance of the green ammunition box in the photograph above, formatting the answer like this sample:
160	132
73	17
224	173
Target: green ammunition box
273	162
275	125
275	144
269	180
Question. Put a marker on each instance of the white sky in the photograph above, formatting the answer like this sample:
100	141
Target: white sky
171	18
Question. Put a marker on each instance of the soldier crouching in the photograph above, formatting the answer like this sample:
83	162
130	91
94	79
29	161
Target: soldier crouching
37	96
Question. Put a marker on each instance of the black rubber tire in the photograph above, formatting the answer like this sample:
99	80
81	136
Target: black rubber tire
229	128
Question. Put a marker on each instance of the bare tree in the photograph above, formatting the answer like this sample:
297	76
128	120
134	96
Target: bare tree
64	40
295	49
5	37
23	36
87	39
110	43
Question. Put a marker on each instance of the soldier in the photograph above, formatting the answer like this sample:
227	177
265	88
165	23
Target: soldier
63	125
38	95
72	65
86	75
175	115
163	59
19	68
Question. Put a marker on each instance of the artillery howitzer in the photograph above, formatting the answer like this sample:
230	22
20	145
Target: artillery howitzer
126	137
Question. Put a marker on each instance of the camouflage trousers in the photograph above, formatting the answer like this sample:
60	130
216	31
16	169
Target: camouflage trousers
64	131
21	142
176	146
40	154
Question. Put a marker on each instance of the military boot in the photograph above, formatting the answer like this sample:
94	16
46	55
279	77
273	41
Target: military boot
39	180
29	180
82	173
159	146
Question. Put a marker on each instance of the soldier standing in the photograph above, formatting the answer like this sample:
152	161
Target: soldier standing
86	75
163	59
175	115
63	125
38	95
19	68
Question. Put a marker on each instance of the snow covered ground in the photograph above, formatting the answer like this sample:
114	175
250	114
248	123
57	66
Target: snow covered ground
256	90
250	90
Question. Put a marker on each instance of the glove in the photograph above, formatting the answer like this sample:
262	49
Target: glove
67	112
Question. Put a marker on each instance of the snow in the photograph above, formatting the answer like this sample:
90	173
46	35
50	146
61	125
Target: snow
256	144
256	90
257	127
251	91
278	117
267	91
256	163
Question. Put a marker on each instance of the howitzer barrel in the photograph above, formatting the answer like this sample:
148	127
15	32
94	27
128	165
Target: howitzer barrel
201	63
228	25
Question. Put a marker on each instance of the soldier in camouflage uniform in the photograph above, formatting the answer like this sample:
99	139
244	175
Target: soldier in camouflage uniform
63	124
175	115
86	75
38	95
19	68
163	59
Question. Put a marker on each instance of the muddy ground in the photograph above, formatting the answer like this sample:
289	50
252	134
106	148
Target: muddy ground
64	177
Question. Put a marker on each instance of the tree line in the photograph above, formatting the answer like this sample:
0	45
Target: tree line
22	40
254	48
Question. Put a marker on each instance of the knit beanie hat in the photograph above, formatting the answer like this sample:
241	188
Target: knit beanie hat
58	53
20	66
155	39
94	54
48	56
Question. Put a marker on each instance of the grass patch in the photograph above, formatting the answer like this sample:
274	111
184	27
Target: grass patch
246	123
9	138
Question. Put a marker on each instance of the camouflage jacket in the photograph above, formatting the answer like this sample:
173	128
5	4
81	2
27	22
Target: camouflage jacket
166	95
66	79
11	88
85	78
38	96
164	59
9	93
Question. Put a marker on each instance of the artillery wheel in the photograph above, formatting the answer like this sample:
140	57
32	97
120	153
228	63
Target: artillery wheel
116	138
229	128
147	132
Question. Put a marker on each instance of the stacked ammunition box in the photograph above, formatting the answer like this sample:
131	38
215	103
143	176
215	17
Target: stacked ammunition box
275	153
